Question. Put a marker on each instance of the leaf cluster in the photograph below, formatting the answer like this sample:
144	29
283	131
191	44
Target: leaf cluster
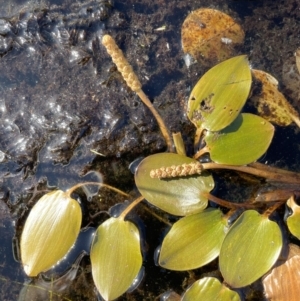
182	186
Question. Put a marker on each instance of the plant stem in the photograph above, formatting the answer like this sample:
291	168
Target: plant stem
201	152
272	174
161	123
197	138
72	189
228	204
130	207
271	209
134	84
179	144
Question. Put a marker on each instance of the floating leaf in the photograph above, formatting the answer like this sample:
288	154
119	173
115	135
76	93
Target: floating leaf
210	289
271	104
49	232
193	241
178	196
282	282
210	34
220	94
293	221
116	257
242	142
250	248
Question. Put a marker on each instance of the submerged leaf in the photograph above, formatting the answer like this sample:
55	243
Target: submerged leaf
250	248
271	104
210	34
115	257
282	282
220	94
49	232
293	221
242	142
210	289
179	195
193	241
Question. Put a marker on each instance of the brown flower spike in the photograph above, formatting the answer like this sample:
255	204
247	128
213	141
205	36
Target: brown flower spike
133	83
173	171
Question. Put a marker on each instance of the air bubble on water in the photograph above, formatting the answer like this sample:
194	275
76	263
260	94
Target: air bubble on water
156	255
134	164
137	280
117	209
92	190
62	282
170	296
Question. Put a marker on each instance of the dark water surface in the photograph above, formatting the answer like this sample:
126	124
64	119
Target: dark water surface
61	97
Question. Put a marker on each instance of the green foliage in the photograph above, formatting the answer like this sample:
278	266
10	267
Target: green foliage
181	186
193	241
210	289
178	195
220	94
293	221
242	142
116	257
49	232
250	248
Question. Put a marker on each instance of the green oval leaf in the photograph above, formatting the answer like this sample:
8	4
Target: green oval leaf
49	232
115	257
193	241
242	142
250	248
220	94
177	196
210	289
293	221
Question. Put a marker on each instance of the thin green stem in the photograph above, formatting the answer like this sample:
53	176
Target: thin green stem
200	152
179	144
227	204
197	138
130	207
160	121
72	189
271	209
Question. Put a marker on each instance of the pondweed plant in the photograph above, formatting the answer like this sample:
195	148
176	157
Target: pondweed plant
247	247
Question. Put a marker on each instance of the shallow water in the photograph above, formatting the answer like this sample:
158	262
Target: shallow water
61	97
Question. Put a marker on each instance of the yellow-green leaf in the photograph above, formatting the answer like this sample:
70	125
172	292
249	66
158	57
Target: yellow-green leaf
242	142
210	289
193	241
116	257
220	94
49	232
179	195
271	103
293	221
250	248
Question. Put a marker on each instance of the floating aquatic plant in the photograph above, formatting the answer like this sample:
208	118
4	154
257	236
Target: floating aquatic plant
246	248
